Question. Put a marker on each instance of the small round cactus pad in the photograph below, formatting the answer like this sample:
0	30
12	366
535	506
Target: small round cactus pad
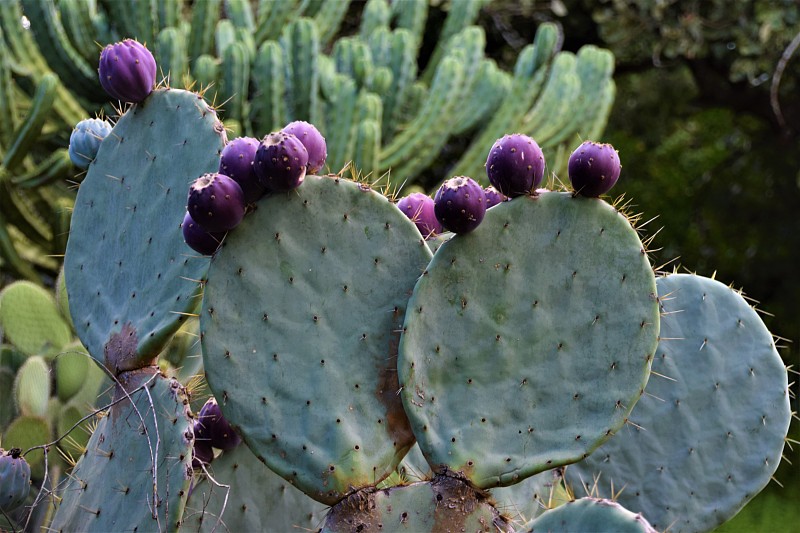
589	514
127	269
714	419
527	342
301	319
137	466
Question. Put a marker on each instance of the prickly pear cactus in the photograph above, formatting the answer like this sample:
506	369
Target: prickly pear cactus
128	272
444	504
137	466
301	319
589	514
715	417
15	479
528	341
259	499
30	320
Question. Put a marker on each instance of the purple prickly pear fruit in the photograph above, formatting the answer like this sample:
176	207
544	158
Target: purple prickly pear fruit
593	168
215	428
127	71
15	479
198	239
493	197
236	162
460	204
515	165
280	162
202	452
419	208
216	202
314	142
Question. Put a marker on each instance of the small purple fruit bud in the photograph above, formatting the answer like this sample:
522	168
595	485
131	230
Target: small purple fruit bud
215	428
593	168
198	239
280	162
202	453
127	71
236	162
515	165
419	208
216	202
460	204
493	197
314	142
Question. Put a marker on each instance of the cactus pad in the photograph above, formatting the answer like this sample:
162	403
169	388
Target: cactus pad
137	464
30	320
545	318
444	504
301	318
127	268
259	499
714	419
589	514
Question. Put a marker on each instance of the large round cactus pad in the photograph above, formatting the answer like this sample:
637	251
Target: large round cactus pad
258	499
714	419
128	272
529	340
137	466
589	514
301	319
443	505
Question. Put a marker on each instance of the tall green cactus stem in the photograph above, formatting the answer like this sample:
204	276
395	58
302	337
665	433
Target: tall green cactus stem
169	13
126	221
273	15
490	87
414	147
171	55
401	59
329	18
411	15
247	509
367	148
311	288
376	14
340	117
557	100
140	453
353	57
300	42
205	71
444	504
240	13
267	106
235	82
31	126
76	16
461	15
30	319
530	74
204	19
551	340
54	44
589	514
224	35
714	419
8	108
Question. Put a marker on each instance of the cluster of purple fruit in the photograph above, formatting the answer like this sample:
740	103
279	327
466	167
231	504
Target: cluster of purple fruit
515	167
248	170
211	430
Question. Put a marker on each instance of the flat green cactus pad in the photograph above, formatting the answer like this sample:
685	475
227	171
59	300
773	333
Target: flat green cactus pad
128	272
24	433
259	499
30	319
527	499
529	340
137	466
714	419
444	504
300	324
589	514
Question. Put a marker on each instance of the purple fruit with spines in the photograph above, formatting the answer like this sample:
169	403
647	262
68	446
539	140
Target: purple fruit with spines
419	208
593	168
312	139
460	204
15	479
127	71
198	238
281	162
202	451
493	196
216	202
515	165
236	162
214	427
